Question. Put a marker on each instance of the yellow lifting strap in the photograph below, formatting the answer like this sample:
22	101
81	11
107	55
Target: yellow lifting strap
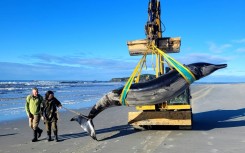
137	71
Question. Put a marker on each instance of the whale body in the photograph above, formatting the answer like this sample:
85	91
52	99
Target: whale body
155	91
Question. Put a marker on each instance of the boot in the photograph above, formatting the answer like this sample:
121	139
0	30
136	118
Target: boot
39	131
56	136
49	136
34	136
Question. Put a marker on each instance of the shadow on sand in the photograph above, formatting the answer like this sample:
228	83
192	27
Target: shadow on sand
3	135
122	131
202	121
218	119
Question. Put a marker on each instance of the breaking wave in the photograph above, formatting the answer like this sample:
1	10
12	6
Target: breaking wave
72	94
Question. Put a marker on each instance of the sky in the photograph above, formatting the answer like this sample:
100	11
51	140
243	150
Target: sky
87	40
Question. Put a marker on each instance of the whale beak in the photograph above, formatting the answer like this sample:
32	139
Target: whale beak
220	66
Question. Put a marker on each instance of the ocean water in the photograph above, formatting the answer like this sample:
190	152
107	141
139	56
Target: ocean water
72	94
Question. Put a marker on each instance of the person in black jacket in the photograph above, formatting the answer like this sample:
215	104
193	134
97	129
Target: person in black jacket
50	114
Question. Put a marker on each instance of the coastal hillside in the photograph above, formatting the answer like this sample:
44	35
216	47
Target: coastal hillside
143	78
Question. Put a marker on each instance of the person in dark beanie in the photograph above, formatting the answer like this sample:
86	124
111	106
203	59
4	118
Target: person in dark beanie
50	111
33	109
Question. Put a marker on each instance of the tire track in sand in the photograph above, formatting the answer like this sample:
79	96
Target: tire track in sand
201	93
151	142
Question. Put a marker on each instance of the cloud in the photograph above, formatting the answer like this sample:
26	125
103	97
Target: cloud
241	41
213	47
17	71
80	61
193	58
50	67
240	50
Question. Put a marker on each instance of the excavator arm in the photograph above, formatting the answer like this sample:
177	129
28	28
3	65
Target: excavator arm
153	31
153	25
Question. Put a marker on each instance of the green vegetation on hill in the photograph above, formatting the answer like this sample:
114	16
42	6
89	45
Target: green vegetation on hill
143	78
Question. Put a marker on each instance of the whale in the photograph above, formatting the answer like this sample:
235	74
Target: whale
154	91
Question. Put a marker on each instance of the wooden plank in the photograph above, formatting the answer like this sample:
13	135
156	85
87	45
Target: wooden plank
160	118
146	107
178	107
139	47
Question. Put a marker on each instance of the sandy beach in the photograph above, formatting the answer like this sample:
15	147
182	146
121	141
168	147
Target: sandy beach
219	126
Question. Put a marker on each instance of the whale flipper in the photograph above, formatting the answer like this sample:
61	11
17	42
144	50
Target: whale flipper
86	124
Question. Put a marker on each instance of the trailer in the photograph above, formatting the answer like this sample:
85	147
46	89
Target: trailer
175	112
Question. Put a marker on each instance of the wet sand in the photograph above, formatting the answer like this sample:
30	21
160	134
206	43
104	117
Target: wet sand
219	126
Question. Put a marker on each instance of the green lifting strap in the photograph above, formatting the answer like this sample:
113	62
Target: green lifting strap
125	92
185	73
128	84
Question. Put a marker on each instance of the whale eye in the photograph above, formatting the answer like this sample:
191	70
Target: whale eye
195	69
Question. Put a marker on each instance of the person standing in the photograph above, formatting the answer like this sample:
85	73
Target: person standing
33	109
50	114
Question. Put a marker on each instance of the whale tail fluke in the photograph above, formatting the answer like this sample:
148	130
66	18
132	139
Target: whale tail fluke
86	124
